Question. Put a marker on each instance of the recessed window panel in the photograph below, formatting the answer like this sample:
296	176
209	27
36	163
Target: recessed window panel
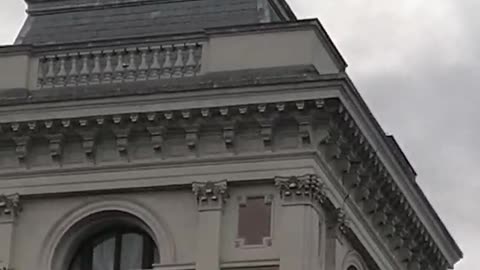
254	221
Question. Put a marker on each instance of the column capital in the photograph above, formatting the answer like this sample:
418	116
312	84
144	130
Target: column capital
10	205
210	195
301	189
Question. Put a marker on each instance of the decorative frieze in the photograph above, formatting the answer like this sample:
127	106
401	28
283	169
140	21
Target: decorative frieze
325	122
119	65
210	195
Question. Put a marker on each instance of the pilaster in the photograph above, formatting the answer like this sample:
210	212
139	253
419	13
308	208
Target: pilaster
300	237
211	197
336	242
9	209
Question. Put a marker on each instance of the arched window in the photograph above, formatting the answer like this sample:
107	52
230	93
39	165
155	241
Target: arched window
352	268
116	248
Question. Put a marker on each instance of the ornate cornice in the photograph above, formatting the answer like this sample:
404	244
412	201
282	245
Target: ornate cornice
210	195
374	190
325	124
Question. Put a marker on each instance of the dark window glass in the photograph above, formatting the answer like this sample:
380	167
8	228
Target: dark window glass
254	221
352	268
117	249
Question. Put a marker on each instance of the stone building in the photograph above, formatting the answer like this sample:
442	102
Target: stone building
198	134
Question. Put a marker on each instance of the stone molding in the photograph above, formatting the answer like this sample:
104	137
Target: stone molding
192	123
324	124
210	195
373	189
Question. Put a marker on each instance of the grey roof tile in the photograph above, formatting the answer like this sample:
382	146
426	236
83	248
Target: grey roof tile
73	23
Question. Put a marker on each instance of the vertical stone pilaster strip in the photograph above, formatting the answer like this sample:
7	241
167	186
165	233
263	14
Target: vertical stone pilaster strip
211	197
300	225
9	209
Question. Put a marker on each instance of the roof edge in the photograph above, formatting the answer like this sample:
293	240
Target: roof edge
452	245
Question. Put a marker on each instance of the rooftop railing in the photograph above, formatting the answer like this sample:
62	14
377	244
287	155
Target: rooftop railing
119	65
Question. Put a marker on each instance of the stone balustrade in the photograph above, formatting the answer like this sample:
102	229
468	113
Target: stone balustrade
119	65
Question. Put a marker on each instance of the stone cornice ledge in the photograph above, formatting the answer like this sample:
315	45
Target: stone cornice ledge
367	123
347	146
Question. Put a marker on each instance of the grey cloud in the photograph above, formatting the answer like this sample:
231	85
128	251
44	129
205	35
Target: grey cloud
416	63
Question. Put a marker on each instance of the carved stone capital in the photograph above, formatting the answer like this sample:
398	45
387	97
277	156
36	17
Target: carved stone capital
301	189
210	195
10	205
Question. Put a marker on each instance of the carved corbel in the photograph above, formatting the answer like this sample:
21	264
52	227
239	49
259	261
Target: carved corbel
210	195
55	145
396	242
304	121
157	134
121	139
228	136
371	204
22	148
391	227
305	132
88	135
380	216
266	132
352	178
191	137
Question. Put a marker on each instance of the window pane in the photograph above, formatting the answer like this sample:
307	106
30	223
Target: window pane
104	255
132	252
254	221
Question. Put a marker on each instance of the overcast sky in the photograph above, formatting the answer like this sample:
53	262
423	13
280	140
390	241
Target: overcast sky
416	62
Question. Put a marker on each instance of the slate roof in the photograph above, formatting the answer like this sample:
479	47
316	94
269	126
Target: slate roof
53	22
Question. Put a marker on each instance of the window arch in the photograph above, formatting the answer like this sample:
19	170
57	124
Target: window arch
118	247
353	261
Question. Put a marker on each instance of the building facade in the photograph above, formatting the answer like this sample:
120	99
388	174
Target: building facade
198	134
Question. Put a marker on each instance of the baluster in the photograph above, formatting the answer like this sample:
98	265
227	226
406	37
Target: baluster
167	65
51	72
107	71
62	73
84	70
155	67
119	68
96	68
178	66
143	67
73	74
132	67
191	64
